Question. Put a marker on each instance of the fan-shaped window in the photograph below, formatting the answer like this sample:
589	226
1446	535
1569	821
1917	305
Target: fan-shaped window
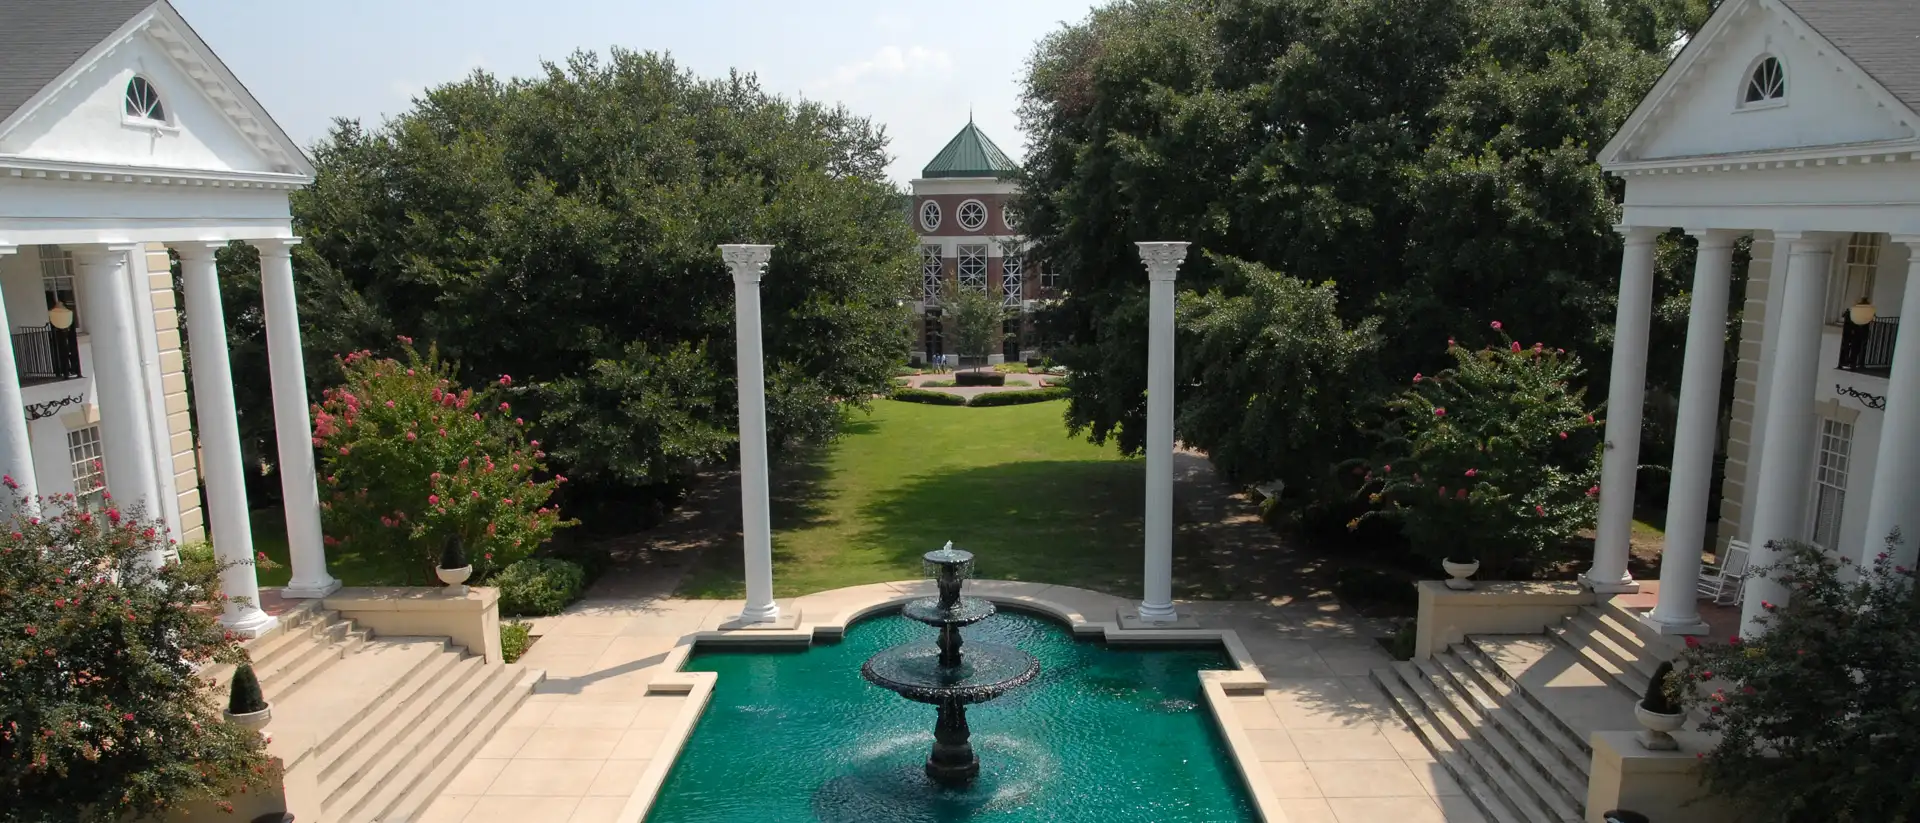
972	215
929	215
1767	82
1011	217
143	101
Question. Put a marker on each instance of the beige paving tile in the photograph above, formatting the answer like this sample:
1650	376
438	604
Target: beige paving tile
560	666
637	744
649	649
1346	715
1254	712
1307	810
1434	778
448	808
1273	744
1386	810
475	777
571	645
1343	744
1365	778
529	715
583	625
591	716
657	712
505	742
598	810
546	778
1458	809
1291	780
617	778
569	744
612	685
522	810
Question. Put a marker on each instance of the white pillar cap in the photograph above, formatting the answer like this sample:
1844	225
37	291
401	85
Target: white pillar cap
748	261
1163	258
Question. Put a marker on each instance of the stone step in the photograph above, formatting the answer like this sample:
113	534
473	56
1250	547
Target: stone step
422	660
1438	731
300	667
1593	654
1501	721
1570	750
1507	757
1605	635
1647	643
415	801
289	638
1553	677
433	743
364	772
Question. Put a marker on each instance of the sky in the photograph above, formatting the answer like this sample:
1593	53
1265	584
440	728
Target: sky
916	66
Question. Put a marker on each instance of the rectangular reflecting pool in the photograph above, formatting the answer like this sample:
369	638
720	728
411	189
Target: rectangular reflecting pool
1105	733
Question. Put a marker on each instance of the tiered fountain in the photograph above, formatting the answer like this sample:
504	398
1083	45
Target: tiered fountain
940	675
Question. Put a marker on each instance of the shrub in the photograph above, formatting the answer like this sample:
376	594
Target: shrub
937	384
1019	398
1361	587
454	556
1011	368
1661	688
1035	363
411	460
539	586
1494	459
101	715
515	636
1816	714
979	378
243	692
934	398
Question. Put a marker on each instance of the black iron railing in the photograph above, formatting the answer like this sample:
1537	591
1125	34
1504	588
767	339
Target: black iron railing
44	353
1869	348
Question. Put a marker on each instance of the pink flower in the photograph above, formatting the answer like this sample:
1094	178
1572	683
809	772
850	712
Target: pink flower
344	450
1589	418
559	478
475	493
1472	472
435	475
1417	377
409	372
389	404
8	479
128	716
1443	491
504	408
1593	491
1440	412
1387	469
1450	343
1515	345
1537	347
1460	494
1539	510
506	380
476	415
433	500
1563	435
1693	642
443	432
1496	325
412	437
405	340
1766	605
506	501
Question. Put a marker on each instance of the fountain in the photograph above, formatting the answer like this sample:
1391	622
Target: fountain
941	675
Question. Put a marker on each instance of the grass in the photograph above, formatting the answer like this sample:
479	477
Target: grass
353	569
1007	483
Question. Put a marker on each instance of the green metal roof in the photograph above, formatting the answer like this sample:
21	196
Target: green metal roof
970	154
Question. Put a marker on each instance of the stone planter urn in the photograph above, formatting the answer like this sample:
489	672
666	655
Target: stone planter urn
454	578
250	720
1658	729
1459	571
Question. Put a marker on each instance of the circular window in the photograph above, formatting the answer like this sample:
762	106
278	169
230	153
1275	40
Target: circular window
929	215
1011	217
972	215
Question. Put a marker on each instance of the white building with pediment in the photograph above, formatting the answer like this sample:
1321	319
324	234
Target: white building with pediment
123	136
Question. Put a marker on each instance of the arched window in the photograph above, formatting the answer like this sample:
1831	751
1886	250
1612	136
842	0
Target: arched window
143	101
1011	217
972	215
929	215
1766	83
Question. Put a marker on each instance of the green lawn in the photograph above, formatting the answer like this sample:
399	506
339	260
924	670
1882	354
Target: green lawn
1007	483
270	536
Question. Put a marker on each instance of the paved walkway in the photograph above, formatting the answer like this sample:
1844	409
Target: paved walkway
1015	382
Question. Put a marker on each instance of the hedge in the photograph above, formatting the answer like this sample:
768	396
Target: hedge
979	378
1018	398
930	397
539	586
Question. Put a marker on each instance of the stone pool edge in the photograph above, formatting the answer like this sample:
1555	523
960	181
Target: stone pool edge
1062	603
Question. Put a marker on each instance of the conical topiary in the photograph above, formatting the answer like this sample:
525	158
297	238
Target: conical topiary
1659	700
454	556
244	697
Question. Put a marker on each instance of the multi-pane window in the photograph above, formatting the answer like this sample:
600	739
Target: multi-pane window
973	267
972	215
89	473
930	271
143	101
1767	83
56	278
1012	272
1830	481
1853	279
1049	280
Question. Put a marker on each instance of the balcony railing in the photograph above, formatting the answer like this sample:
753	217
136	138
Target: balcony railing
1868	349
42	354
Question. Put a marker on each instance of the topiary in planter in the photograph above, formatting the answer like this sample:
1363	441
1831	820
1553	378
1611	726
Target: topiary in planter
454	556
979	378
244	696
1658	699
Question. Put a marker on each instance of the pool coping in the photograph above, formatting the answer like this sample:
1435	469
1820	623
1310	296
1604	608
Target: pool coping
1217	685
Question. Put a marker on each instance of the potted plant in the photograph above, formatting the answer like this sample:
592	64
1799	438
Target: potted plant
1659	713
1458	571
454	568
246	706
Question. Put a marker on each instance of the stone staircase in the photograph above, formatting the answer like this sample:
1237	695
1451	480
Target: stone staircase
379	724
1509	716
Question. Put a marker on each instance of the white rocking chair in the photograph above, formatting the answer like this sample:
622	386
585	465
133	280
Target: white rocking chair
1725	584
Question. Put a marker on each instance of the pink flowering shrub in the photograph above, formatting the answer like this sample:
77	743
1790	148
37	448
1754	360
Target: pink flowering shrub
102	716
411	459
1818	714
1495	459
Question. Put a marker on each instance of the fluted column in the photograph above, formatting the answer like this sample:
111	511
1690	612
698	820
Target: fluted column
127	440
292	423
219	430
1695	437
1781	500
16	445
1895	500
748	263
1163	265
1626	398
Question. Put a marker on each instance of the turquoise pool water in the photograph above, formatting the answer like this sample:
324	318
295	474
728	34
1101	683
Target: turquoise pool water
1106	734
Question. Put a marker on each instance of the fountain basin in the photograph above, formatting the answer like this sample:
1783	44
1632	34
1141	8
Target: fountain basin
987	670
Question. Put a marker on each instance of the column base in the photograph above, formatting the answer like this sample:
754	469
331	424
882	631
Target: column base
303	590
780	621
1663	627
1625	585
250	622
1132	621
1157	613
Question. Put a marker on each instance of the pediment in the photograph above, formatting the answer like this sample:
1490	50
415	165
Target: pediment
209	123
1699	107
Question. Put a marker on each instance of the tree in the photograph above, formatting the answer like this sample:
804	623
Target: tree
978	321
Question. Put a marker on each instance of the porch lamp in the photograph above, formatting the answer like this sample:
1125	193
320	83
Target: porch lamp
1861	313
60	316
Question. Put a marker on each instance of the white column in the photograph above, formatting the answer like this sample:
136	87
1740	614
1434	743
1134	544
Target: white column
1163	265
1895	500
1780	503
219	430
16	445
1695	437
127	439
1626	397
748	263
292	426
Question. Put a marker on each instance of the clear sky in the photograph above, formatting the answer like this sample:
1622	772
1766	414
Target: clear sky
913	65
